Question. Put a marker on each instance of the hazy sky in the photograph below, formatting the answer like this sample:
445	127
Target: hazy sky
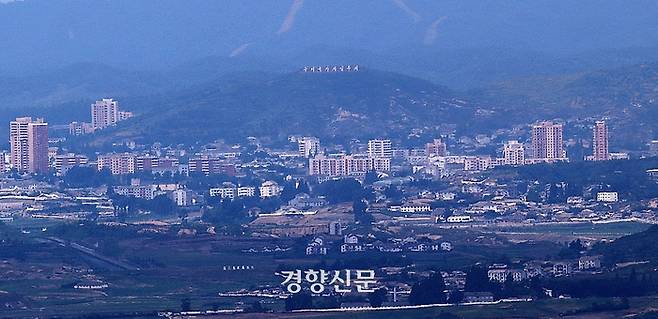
164	32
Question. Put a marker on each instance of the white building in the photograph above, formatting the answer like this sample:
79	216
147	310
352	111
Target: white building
231	191
104	113
182	197
513	153
547	142
501	274
316	247
137	191
308	146
618	156
223	192
589	262
269	189
415	208
477	163
65	161
608	197
343	165
381	164
497	275
459	219
246	191
80	128
380	148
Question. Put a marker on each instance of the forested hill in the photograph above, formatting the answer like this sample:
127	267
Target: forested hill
362	104
637	247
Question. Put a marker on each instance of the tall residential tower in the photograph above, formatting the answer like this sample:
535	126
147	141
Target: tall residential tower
380	148
547	142
513	153
600	142
29	145
104	113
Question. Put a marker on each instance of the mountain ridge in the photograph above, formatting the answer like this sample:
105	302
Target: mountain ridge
374	103
340	105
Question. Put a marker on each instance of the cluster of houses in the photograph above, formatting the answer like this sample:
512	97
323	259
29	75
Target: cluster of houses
185	197
231	191
490	200
502	272
352	243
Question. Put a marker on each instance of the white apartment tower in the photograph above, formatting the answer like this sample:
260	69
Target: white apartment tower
29	145
380	148
513	153
18	139
308	146
436	148
104	113
547	142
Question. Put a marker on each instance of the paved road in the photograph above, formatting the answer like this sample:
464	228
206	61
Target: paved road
92	253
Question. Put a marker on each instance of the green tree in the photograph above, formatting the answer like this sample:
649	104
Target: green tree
371	177
360	214
428	291
477	279
342	190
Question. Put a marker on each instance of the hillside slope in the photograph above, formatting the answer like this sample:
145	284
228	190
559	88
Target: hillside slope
626	96
368	103
374	103
636	247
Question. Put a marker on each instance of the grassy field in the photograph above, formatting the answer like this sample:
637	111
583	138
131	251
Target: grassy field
537	309
174	268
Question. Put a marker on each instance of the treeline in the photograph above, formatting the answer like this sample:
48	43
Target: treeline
636	247
161	205
628	177
606	285
430	290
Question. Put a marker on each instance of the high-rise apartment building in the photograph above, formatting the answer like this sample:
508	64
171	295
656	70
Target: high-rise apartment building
18	141
308	146
38	146
436	148
513	153
380	148
104	113
600	142
547	142
29	145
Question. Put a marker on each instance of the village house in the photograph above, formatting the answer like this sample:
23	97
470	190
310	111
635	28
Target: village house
316	247
562	269
351	244
589	263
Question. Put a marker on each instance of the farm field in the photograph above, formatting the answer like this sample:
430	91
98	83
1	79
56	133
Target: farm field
170	269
